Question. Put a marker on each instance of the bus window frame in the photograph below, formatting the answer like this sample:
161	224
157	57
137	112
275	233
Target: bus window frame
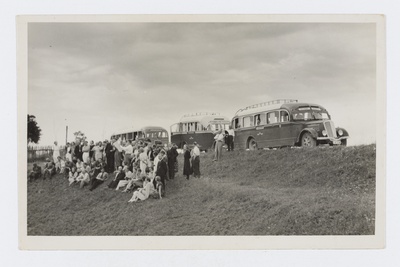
250	121
276	117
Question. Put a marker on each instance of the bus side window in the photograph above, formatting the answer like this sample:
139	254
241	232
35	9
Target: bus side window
257	119
284	116
247	122
272	117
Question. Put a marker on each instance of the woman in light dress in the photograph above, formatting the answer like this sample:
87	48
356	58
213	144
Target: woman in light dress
68	154
98	151
144	193
143	160
85	151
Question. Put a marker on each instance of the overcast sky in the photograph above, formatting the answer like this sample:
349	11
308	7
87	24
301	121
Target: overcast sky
101	77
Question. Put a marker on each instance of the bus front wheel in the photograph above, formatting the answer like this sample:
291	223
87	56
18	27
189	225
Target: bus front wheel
308	141
252	144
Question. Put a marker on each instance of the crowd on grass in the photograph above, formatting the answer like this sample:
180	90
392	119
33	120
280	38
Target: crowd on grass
134	166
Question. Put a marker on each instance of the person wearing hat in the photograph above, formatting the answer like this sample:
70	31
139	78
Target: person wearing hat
196	160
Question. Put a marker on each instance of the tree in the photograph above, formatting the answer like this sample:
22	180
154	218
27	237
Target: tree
79	136
34	131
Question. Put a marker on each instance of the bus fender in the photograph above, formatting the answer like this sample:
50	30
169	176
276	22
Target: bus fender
312	131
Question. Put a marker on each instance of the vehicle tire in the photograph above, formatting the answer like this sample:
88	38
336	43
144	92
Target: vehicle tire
252	145
344	142
308	141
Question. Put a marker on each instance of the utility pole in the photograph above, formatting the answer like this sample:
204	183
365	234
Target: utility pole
66	132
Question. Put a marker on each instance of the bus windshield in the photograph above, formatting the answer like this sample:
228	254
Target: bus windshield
215	127
310	113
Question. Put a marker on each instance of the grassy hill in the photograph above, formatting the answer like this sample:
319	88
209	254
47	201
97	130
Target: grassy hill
321	191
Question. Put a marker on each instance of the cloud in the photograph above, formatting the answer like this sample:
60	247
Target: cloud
145	72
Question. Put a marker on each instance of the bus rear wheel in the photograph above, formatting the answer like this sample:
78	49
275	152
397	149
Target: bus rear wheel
253	144
308	141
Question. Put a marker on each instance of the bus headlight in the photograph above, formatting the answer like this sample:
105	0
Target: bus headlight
340	132
324	133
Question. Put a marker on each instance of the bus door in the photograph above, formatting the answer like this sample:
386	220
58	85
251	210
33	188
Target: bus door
286	137
271	133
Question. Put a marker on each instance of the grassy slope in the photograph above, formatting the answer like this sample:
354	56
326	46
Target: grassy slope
323	191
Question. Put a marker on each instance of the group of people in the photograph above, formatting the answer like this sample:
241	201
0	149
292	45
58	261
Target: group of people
134	166
220	138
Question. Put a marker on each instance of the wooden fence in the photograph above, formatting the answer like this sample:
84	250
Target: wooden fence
40	153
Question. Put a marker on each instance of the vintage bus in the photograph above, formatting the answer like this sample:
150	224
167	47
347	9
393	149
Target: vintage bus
200	127
156	135
285	122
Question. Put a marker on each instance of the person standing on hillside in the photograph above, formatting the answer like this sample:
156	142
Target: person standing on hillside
85	151
186	161
68	152
128	148
117	153
230	139
171	155
196	160
162	168
219	139
91	151
143	160
80	154
109	149
56	151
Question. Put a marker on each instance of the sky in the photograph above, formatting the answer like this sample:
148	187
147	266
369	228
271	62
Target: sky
99	78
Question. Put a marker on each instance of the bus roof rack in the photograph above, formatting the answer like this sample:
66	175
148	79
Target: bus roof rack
201	114
268	103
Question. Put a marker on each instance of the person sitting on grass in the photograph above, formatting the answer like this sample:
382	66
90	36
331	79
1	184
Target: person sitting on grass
68	167
57	163
100	178
49	169
126	180
87	168
119	175
79	165
143	193
73	174
36	173
83	178
96	168
136	181
158	185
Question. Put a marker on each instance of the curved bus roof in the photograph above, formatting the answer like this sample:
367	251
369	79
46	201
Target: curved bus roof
205	118
289	104
264	106
145	128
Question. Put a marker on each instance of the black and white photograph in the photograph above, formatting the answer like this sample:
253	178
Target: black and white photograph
218	129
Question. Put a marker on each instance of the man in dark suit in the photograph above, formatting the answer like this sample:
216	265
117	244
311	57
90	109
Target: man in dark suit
119	175
109	149
162	167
